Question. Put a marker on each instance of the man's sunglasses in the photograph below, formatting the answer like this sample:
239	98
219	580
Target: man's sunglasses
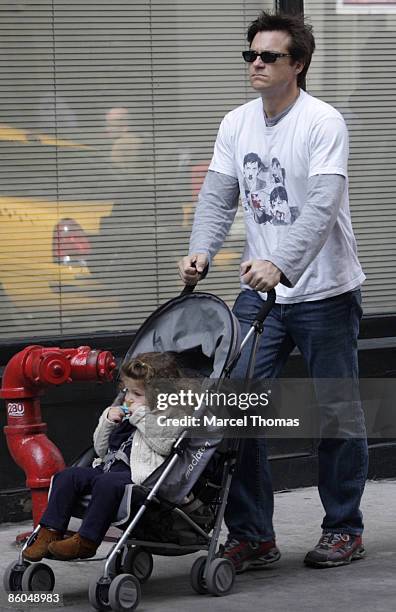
268	57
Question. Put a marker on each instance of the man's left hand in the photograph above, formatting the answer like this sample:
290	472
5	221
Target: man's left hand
259	274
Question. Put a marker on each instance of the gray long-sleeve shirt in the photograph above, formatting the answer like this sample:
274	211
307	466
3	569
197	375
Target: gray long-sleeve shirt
218	203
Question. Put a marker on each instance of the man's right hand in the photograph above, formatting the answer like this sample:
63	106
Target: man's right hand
191	268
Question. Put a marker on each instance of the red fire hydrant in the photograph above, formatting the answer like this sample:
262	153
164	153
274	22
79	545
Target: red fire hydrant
25	377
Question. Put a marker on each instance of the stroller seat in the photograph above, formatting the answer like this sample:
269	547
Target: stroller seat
167	521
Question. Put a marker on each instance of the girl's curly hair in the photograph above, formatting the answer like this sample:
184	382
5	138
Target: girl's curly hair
155	370
147	366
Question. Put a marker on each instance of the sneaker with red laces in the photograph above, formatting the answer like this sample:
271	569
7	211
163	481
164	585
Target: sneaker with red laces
335	549
246	555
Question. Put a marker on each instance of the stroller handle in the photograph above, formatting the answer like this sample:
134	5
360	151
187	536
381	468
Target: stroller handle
190	288
266	307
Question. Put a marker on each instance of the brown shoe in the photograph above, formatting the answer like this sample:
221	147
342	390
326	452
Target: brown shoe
75	547
39	548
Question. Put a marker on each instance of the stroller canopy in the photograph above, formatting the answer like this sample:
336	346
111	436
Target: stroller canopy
199	322
205	334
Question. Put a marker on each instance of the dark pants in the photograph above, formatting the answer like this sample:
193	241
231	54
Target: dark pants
72	483
326	333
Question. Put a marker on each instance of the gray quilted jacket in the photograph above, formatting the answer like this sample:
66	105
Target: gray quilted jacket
147	451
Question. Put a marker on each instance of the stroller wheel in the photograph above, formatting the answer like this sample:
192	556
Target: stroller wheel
124	593
139	563
38	577
220	577
196	576
12	579
99	593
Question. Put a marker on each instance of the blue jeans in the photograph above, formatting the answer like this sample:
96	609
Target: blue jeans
326	333
106	489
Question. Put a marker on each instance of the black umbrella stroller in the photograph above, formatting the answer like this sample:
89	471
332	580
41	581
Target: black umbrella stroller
180	507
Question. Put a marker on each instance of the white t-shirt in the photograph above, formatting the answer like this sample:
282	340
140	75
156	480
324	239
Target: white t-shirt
273	165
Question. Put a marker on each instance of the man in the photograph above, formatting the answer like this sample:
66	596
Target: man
126	148
310	257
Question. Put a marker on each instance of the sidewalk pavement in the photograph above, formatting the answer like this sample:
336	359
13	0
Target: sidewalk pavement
363	586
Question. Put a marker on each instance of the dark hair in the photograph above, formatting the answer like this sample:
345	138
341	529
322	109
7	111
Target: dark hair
279	192
302	41
251	158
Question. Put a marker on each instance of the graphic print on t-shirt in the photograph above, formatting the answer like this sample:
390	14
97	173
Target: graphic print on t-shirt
265	196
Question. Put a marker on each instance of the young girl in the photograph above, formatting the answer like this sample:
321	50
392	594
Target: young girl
125	454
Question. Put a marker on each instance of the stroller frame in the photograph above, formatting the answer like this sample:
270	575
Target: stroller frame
209	574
